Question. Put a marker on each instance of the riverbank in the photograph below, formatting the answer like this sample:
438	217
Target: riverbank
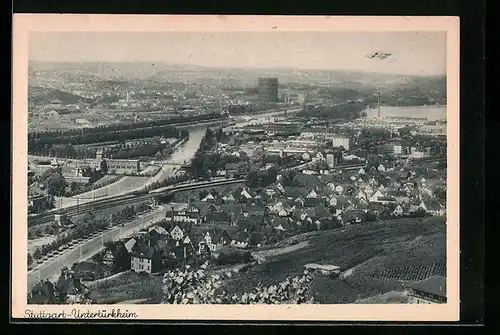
432	113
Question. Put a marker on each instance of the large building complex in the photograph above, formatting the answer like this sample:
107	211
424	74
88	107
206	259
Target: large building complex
116	166
320	133
268	89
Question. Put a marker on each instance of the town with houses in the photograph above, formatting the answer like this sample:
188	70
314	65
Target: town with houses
236	192
323	188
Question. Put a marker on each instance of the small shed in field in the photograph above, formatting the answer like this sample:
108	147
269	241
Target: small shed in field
328	270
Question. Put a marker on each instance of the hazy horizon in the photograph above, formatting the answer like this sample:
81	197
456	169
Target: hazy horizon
412	53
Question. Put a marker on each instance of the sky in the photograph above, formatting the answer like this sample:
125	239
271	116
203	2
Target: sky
413	53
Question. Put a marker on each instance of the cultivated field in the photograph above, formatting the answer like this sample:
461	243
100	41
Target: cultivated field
377	258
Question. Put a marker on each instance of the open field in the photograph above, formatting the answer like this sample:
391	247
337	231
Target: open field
378	254
38	242
107	179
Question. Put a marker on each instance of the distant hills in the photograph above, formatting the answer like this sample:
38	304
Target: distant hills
361	82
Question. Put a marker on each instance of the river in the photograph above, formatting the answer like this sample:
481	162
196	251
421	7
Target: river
186	151
183	153
430	112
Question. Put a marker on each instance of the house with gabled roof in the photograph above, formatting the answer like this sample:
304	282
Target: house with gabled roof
339	189
214	240
177	233
352	216
298	214
145	258
217	218
425	191
129	245
362	195
313	202
245	194
362	204
281	224
398	211
435	208
318	156
229	199
68	287
332	202
375	197
400	196
43	293
368	190
271	192
280	188
321	212
209	197
312	194
241	240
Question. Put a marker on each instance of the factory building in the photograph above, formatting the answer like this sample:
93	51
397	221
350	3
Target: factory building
268	89
116	166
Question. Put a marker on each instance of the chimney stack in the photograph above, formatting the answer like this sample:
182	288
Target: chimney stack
378	100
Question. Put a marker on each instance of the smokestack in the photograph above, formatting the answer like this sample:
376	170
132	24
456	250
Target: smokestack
378	100
173	214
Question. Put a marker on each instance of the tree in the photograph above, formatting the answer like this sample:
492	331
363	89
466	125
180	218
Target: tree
57	185
49	230
39	232
252	179
74	186
370	217
37	254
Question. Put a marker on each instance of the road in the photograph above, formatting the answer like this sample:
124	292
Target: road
51	268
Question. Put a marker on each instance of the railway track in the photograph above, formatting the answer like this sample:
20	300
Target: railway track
48	217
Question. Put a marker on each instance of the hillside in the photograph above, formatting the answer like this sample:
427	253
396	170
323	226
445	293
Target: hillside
380	257
359	81
42	96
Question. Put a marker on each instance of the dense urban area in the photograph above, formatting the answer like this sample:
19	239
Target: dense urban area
189	187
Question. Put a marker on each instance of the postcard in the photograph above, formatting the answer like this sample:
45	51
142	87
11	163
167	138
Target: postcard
271	168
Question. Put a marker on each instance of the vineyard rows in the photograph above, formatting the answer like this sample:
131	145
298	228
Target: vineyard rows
415	272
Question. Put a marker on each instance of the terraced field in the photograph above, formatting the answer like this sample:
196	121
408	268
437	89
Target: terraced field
379	257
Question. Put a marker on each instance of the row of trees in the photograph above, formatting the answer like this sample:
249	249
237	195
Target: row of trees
168	181
41	206
261	179
349	111
50	136
89	225
249	109
62	146
205	159
58	186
